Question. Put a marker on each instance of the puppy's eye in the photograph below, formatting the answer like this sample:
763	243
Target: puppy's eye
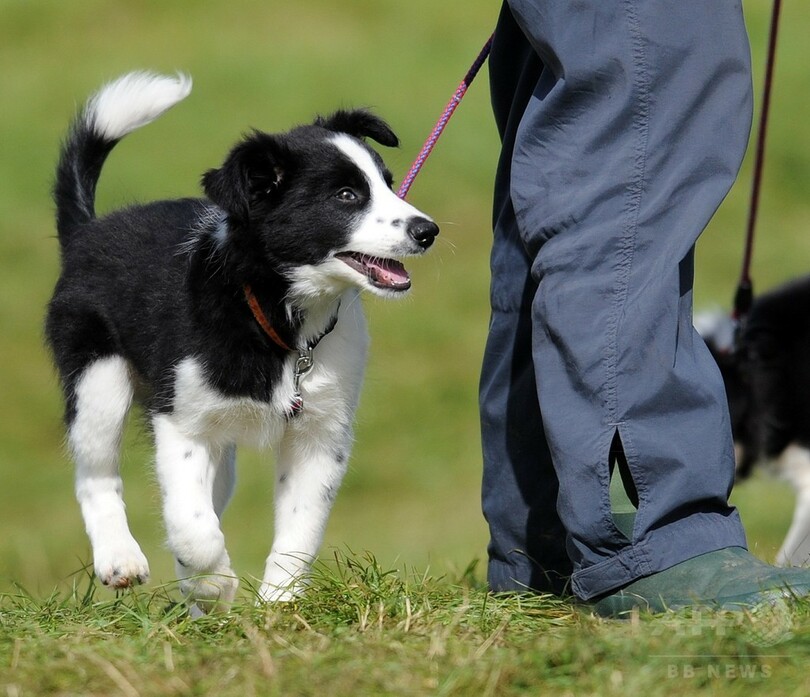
346	194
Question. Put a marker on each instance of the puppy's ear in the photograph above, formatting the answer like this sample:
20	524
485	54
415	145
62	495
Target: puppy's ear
254	169
360	123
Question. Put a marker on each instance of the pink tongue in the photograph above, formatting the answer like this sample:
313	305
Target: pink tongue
388	272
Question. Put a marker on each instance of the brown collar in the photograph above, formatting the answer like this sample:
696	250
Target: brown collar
264	323
261	318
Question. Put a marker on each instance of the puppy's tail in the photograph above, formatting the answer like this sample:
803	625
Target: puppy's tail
118	108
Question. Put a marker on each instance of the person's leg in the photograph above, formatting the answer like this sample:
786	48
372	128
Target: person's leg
527	540
632	137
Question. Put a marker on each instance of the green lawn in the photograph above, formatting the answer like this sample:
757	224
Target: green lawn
411	495
365	629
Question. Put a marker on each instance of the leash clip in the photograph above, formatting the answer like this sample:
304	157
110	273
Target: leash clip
303	367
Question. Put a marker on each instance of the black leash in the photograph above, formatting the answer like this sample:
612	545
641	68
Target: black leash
744	296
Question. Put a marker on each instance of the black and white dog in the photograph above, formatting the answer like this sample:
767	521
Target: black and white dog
767	378
233	319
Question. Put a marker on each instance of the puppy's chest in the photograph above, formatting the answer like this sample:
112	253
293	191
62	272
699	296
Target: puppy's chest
202	410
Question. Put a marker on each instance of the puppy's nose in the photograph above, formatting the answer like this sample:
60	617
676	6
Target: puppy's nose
423	231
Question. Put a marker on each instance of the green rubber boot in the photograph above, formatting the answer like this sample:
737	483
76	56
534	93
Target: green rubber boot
622	508
728	579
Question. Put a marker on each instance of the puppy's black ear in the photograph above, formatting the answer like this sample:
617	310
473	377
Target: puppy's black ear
360	123
254	169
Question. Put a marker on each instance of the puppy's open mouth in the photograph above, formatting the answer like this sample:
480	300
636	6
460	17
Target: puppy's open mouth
382	273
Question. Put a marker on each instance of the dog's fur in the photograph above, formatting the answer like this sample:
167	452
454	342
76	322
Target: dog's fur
767	378
152	304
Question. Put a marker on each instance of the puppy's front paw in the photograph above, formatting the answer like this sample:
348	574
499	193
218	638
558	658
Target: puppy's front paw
270	593
121	567
285	577
210	592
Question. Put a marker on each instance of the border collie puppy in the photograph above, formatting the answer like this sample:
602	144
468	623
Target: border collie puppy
233	318
767	378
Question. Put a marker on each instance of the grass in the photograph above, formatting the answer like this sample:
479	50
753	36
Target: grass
380	625
364	629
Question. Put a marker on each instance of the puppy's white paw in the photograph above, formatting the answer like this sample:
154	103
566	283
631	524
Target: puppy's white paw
272	593
121	566
285	577
210	592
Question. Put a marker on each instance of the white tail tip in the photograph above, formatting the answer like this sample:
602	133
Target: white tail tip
716	327
132	101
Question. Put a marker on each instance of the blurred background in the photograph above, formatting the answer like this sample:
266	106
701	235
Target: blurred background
411	496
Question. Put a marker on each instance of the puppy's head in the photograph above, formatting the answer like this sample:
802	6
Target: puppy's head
316	205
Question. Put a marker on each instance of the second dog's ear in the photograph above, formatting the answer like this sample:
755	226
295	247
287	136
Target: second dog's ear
254	168
360	123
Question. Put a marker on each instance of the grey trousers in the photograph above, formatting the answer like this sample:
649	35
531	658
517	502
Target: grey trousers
623	125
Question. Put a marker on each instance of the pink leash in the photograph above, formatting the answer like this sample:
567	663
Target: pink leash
445	117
